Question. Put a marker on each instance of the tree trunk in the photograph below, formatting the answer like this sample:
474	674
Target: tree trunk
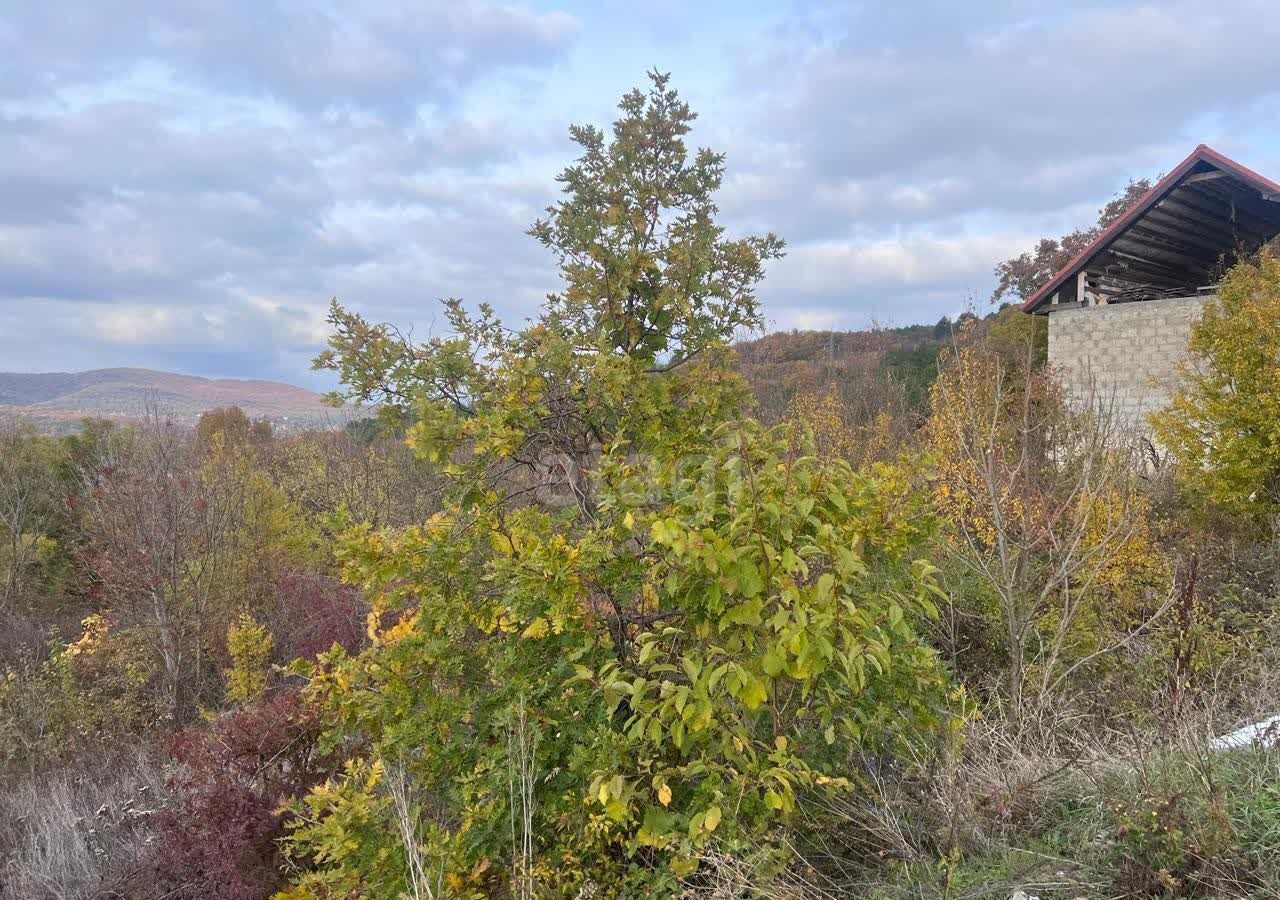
170	655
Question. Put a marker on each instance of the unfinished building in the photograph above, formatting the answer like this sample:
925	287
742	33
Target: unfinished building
1121	311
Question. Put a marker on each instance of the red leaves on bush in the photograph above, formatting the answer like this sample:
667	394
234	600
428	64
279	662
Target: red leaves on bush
219	842
311	613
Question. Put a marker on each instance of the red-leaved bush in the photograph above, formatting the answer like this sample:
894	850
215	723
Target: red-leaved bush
311	613
219	840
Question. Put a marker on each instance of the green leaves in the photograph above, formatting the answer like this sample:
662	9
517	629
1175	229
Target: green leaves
795	636
683	602
1221	424
744	650
647	271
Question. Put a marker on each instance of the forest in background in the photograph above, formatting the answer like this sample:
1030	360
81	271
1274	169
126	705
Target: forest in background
605	606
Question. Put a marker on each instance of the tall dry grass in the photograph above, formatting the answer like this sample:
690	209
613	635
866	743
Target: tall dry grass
77	831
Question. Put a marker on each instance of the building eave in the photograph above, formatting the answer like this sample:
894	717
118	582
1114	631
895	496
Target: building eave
1203	154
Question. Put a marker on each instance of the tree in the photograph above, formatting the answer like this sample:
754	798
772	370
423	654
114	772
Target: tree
233	426
734	623
183	538
639	624
29	506
631	349
1222	426
249	644
1021	276
1046	514
378	480
156	545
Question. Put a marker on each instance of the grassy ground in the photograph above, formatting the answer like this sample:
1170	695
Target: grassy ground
1179	822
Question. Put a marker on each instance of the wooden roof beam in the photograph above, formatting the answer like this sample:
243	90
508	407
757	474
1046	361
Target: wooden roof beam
1159	236
1220	233
1174	275
1245	200
1206	176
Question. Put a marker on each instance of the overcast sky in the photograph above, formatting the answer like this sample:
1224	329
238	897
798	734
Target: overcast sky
184	184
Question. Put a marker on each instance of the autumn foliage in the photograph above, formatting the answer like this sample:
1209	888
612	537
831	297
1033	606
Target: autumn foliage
219	839
607	605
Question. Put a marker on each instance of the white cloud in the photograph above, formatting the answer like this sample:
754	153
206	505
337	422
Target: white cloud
910	263
129	324
186	186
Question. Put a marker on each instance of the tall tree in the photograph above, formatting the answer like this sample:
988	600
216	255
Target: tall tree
182	538
635	612
29	505
1021	276
630	349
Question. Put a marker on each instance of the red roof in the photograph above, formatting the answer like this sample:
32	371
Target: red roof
1202	154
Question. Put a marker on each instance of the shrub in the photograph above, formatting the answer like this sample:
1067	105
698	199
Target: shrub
1220	424
310	613
249	645
218	841
99	688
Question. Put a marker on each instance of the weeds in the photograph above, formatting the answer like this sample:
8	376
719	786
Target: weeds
78	831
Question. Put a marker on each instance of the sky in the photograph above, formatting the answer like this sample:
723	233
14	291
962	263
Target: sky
185	184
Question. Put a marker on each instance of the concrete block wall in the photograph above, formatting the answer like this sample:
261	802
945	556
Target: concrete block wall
1126	354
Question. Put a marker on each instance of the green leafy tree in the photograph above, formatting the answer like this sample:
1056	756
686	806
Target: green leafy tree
1223	423
33	516
639	624
631	349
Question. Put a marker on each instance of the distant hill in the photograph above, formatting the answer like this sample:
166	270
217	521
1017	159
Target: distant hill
883	369
58	400
873	370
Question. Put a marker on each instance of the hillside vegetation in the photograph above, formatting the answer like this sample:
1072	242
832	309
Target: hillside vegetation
875	370
59	400
598	607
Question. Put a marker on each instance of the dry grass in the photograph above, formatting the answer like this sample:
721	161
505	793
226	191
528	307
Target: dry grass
77	832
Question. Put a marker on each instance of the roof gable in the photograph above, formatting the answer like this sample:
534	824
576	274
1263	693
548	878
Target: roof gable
1179	233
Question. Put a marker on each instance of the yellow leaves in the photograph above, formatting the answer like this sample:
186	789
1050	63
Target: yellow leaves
684	867
613	793
664	794
403	627
538	628
650	595
824	415
629	521
95	632
1220	427
753	693
711	820
296	892
249	645
498	622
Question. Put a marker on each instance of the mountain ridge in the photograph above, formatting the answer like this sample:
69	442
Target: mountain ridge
127	393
